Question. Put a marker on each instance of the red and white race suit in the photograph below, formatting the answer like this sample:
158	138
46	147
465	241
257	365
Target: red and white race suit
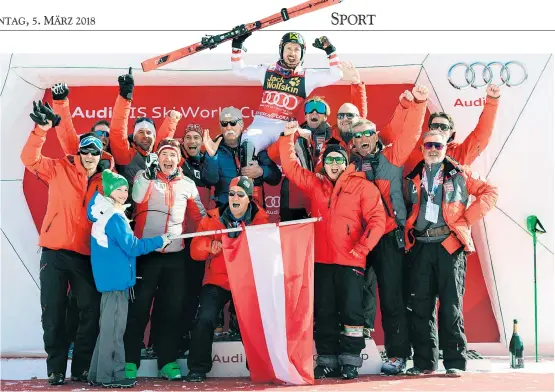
284	92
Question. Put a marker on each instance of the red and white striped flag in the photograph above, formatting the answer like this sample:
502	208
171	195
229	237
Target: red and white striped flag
271	270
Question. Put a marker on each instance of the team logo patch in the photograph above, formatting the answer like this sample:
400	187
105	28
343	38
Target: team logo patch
449	187
293	36
295	82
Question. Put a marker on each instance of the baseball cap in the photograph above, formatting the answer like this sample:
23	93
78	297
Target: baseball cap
230	113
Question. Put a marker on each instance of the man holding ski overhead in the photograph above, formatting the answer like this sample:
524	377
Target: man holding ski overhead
285	86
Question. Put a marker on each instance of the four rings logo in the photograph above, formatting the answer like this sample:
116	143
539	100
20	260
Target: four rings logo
272	201
281	100
511	74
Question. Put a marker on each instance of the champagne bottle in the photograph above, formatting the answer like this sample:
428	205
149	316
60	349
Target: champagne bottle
516	348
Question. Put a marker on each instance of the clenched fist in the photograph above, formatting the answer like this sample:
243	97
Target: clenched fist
290	128
420	92
493	91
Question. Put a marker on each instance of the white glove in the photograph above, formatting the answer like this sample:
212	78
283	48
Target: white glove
166	240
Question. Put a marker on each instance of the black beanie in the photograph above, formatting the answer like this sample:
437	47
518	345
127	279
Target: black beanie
334	146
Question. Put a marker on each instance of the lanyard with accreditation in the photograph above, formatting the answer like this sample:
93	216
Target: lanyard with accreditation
432	209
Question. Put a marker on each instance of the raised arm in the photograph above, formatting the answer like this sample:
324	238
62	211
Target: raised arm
168	127
304	179
67	136
238	67
119	144
404	143
467	152
31	155
389	133
324	77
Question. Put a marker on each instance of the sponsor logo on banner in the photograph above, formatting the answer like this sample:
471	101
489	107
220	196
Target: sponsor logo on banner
159	112
280	100
470	102
237	358
479	74
273	201
279	83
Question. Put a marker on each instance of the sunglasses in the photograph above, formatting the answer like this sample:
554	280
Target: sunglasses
311	106
240	194
443	127
225	123
368	132
93	151
337	160
341	116
438	146
101	133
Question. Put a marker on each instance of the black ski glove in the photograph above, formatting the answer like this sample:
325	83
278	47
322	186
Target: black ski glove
126	84
151	166
48	113
38	117
237	42
324	44
60	91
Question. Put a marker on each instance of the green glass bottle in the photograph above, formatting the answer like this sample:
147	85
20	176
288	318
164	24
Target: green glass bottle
516	348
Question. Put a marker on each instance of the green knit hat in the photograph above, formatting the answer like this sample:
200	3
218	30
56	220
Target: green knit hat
112	181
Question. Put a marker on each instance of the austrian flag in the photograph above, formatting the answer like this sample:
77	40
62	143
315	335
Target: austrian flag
271	274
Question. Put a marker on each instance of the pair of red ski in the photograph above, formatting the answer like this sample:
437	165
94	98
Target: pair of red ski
211	41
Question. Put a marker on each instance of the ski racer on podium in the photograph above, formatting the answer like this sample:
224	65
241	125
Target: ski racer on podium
285	86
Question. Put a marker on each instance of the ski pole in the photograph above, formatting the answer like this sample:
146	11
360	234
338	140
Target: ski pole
214	232
534	226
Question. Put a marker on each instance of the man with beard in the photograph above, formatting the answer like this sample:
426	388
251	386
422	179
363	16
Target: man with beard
285	86
163	196
438	238
240	209
230	159
65	241
383	165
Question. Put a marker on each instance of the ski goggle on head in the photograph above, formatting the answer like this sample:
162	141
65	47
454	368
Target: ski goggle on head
311	106
90	145
368	133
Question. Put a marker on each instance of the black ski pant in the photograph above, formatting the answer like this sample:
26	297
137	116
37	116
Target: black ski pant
369	299
163	275
72	316
338	314
212	300
436	273
194	274
388	261
57	268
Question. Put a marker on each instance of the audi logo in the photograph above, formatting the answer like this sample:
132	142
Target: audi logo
272	201
281	100
507	73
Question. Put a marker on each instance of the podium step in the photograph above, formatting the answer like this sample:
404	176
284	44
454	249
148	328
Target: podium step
228	361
